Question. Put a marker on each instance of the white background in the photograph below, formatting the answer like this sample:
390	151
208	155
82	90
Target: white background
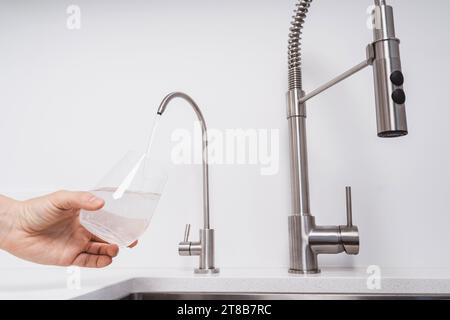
74	101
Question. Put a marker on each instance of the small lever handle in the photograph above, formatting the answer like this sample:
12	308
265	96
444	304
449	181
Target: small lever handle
186	232
349	234
348	198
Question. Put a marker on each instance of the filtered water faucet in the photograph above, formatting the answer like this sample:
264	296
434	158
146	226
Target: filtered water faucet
204	248
306	239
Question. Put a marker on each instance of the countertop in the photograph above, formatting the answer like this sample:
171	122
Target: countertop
113	283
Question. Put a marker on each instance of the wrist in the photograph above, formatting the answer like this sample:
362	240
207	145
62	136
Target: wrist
9	209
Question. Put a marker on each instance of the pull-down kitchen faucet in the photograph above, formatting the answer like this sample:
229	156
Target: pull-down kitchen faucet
204	248
306	239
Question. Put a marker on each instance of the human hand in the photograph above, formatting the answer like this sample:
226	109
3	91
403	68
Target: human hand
47	230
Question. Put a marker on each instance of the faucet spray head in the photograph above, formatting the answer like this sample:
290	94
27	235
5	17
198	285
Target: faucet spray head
388	77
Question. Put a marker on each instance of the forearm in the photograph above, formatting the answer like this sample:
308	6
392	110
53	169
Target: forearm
8	207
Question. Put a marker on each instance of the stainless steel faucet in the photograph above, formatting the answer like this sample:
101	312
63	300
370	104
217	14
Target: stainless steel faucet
204	248
306	239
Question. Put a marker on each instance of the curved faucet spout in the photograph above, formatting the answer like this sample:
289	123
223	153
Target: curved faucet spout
165	102
204	247
162	107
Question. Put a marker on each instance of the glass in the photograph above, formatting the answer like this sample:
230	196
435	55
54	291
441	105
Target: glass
131	191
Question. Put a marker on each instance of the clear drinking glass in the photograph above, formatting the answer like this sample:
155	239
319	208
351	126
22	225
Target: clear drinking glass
131	191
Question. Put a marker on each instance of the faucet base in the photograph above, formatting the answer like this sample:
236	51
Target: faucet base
307	241
302	258
296	271
207	271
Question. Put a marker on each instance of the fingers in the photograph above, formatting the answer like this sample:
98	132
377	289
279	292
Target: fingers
66	200
88	260
134	244
94	238
99	248
98	255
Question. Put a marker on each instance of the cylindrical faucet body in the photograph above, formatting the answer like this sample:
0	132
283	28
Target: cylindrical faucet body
296	115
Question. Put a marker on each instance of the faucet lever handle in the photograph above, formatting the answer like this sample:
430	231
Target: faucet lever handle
348	198
186	232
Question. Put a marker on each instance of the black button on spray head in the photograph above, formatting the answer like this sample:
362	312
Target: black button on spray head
397	78
399	96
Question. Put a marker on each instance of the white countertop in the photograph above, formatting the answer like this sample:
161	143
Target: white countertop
113	283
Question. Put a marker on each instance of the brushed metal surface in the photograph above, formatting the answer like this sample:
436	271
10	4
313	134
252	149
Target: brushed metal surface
277	296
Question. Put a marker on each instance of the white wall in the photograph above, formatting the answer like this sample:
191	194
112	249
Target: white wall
72	102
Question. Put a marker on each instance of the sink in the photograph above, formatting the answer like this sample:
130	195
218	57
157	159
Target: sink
274	296
273	285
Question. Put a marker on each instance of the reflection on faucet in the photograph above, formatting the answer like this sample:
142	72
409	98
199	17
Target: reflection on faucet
204	248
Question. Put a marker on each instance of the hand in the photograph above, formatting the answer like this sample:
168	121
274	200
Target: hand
47	230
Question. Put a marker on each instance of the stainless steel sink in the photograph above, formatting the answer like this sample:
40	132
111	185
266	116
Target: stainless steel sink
196	288
274	296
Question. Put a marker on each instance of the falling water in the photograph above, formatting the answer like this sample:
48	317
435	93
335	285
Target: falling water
123	187
152	135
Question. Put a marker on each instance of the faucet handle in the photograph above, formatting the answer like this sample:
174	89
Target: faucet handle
186	232
349	233
189	248
184	248
348	201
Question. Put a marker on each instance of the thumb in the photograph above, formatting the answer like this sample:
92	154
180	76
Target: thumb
66	200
